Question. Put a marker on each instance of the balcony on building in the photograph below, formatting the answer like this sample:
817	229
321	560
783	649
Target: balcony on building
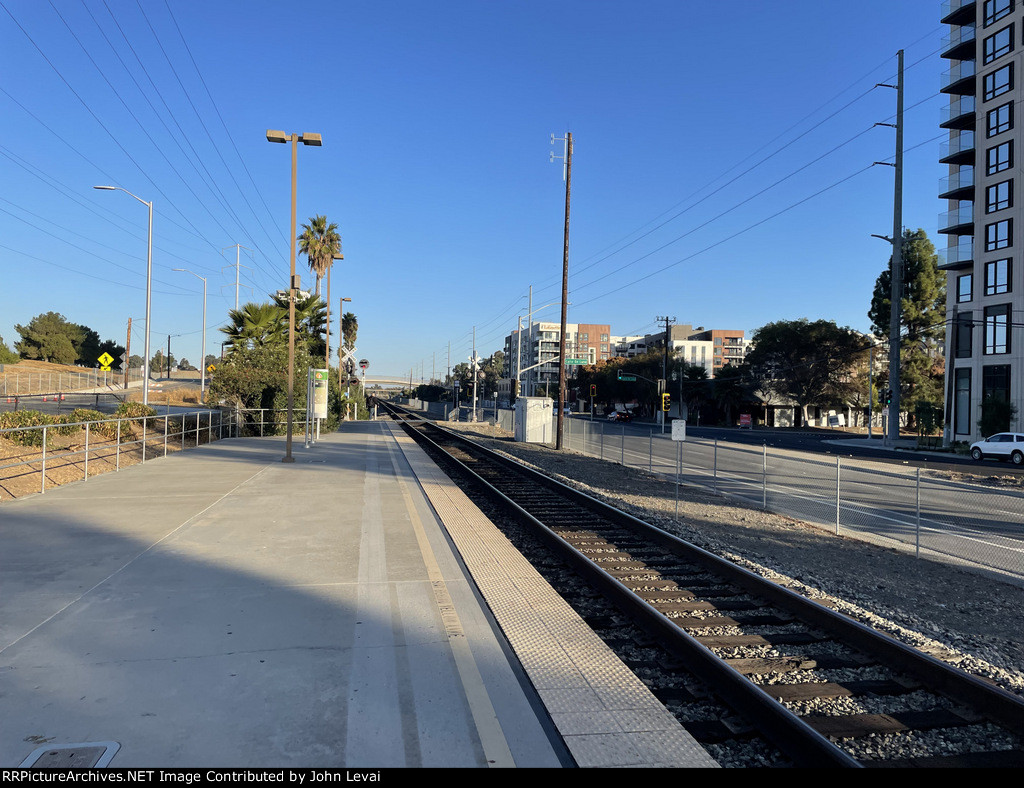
959	78
957	185
958	44
959	221
959	114
958	150
959	256
958	12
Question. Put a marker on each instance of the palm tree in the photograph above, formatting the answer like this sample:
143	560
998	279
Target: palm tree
319	242
256	325
310	321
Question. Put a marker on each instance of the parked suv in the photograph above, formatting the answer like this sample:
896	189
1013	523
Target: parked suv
1001	446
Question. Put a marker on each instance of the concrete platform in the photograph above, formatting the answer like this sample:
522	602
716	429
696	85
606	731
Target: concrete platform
221	608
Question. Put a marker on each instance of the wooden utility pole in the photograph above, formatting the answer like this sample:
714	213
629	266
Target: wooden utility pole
565	293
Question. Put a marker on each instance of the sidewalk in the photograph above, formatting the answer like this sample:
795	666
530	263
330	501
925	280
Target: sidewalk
222	608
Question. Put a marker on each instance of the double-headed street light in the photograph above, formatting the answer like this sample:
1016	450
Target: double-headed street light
202	364
293	284
149	288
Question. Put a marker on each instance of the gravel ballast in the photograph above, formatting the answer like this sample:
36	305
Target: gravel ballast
970	619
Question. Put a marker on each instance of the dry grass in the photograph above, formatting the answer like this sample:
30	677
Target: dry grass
21	466
181	396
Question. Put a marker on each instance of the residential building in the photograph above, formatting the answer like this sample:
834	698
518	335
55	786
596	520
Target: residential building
533	351
709	348
983	221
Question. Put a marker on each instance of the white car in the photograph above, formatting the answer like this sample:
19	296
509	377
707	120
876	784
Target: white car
1001	446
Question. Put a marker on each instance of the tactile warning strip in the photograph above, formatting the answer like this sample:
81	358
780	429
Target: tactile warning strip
605	715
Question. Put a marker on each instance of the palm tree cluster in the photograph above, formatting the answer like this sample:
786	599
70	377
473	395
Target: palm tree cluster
265	325
319	241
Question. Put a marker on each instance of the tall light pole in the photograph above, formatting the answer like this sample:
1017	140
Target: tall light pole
148	292
327	354
293	284
341	335
202	363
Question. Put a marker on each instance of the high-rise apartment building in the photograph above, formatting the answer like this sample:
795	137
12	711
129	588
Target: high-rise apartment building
983	222
533	353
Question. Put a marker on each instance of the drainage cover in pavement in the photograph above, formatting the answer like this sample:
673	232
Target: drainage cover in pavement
88	755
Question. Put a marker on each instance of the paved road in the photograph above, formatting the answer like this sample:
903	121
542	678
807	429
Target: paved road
878	496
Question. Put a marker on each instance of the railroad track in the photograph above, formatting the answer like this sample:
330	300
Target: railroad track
821	687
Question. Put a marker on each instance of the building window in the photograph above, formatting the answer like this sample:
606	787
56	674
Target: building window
997	276
999	158
996	10
604	337
962	402
997	330
998	44
998	235
963	340
998	196
964	288
585	337
998	82
1000	119
995	382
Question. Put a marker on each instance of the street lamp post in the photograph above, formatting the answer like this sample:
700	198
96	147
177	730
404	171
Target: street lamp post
202	363
327	354
149	287
293	285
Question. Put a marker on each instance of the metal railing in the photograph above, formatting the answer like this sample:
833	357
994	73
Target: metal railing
138	438
14	383
905	509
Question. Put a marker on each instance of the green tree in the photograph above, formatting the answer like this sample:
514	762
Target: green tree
319	241
809	362
349	330
256	325
728	391
159	364
50	337
996	415
310	322
7	356
923	306
696	388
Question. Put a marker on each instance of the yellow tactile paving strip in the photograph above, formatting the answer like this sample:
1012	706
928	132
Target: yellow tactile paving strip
606	716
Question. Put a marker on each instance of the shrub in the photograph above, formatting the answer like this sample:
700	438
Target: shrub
24	418
133	410
996	415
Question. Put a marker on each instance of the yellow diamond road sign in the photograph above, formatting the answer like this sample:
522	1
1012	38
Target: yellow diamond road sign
105	361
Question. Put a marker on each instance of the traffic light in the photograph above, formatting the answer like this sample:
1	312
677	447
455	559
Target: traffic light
666	401
593	390
888	397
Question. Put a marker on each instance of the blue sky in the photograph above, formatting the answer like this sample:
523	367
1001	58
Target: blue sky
721	174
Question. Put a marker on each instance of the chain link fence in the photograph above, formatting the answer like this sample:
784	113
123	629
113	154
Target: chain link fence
929	513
